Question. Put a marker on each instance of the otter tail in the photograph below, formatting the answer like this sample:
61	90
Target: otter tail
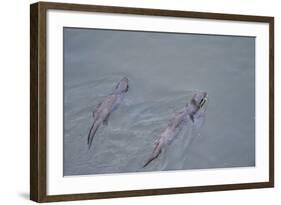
156	152
92	133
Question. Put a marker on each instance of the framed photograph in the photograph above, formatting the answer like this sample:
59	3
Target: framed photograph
135	102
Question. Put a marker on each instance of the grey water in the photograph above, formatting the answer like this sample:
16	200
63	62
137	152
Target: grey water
164	70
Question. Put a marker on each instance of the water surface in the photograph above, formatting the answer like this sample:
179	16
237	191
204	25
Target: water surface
163	71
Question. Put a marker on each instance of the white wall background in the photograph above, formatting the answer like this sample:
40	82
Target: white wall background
14	103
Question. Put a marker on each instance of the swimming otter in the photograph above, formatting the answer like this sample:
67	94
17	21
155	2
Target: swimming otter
107	106
189	113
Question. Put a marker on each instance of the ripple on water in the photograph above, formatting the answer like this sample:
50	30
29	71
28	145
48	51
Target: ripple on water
128	140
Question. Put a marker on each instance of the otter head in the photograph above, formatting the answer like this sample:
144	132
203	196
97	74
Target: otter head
199	98
122	86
